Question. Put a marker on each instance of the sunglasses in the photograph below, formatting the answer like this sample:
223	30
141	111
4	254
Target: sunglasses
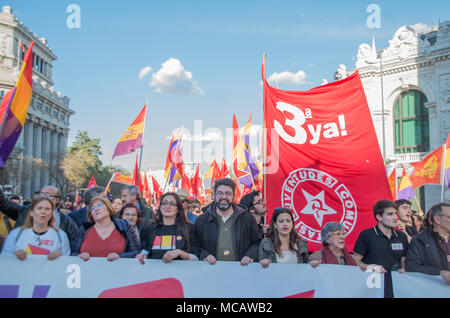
96	206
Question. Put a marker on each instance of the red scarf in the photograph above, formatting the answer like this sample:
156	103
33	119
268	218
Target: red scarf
328	257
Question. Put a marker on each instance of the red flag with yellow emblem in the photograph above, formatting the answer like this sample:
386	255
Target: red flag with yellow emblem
428	170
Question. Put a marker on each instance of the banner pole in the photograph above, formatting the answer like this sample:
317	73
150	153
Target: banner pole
264	136
442	172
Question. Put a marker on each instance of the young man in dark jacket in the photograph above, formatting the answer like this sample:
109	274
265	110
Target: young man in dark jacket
227	231
429	251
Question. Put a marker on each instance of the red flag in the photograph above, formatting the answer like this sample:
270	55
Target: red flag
92	183
237	196
224	171
428	170
327	165
157	192
216	173
147	194
135	173
195	183
185	183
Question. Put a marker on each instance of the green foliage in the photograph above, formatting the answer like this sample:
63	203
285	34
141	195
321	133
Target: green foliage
83	160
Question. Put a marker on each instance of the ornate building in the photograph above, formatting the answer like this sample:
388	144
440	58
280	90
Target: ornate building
47	125
407	86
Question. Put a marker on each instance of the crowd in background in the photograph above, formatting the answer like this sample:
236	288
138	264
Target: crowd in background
184	229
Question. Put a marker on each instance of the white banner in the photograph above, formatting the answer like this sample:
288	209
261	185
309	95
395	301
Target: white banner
72	277
418	285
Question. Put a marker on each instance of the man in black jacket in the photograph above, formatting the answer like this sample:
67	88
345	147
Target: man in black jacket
130	194
227	231
429	251
19	212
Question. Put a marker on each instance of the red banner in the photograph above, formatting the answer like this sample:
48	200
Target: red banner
322	158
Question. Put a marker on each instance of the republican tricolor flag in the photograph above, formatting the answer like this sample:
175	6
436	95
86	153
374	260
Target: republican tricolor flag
14	108
405	189
132	139
447	163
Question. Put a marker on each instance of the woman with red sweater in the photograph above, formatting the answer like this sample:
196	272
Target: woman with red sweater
104	235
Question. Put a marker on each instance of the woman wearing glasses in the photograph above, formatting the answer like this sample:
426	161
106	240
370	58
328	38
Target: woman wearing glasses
170	236
38	236
130	213
282	245
104	235
333	252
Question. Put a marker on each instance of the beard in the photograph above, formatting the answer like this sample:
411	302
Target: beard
222	205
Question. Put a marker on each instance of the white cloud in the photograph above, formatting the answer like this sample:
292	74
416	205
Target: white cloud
173	78
145	71
423	28
287	77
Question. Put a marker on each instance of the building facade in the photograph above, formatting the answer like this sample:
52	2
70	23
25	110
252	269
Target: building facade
43	141
407	86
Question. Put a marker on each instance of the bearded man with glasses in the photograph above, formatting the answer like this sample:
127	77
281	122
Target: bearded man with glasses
227	231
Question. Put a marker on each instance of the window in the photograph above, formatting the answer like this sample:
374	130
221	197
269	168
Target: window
411	124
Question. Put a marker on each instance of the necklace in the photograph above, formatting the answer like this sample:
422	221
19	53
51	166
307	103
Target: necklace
104	233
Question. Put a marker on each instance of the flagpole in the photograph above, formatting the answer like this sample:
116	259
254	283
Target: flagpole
110	180
264	136
143	134
442	172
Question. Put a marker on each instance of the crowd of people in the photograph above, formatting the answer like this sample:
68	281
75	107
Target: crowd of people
183	229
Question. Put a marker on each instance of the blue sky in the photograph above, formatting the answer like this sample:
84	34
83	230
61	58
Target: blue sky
220	43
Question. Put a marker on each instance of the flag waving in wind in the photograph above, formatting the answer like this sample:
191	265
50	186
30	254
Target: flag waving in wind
14	108
322	158
447	163
132	138
405	189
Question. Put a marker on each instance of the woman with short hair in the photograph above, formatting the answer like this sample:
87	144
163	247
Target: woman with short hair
282	245
333	252
170	236
131	213
38	236
104	235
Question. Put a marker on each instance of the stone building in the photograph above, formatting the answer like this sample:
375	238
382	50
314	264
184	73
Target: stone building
47	125
407	85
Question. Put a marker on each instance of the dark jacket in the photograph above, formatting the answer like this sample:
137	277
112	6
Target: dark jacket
79	216
152	230
245	233
147	213
267	251
19	214
132	244
425	255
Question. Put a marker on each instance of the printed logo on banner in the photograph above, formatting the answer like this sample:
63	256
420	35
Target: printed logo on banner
312	195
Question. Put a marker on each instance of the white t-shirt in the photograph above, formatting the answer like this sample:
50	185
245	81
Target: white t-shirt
288	257
35	244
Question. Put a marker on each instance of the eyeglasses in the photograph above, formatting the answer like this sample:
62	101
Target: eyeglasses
96	206
343	233
260	201
221	194
168	203
131	215
447	216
